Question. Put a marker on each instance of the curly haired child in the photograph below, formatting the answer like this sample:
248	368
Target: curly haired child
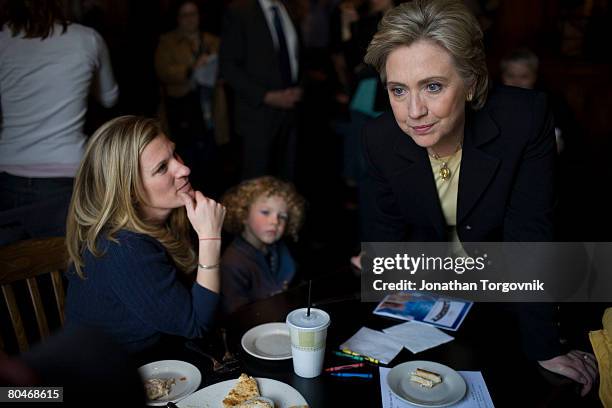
257	264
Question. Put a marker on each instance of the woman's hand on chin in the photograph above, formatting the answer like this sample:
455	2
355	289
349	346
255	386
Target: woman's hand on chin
205	215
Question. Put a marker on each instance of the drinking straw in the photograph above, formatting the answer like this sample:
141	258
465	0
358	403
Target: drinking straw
309	300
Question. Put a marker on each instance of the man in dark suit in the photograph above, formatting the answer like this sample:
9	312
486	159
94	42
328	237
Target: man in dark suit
259	60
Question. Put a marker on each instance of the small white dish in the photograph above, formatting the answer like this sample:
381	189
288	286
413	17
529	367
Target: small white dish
269	341
283	395
451	390
186	376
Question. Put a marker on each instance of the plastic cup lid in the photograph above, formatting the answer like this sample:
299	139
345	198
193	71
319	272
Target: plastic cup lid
318	319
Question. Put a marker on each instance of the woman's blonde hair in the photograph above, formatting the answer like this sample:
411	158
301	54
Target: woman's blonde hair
108	193
448	23
238	201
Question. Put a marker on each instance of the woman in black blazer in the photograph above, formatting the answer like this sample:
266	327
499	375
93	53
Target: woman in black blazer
457	161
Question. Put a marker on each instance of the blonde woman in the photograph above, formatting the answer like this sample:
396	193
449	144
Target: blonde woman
128	239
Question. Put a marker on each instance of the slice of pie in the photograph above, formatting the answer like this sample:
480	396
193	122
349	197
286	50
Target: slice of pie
245	389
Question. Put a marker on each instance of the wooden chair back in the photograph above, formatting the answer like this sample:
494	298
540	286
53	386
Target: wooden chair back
25	261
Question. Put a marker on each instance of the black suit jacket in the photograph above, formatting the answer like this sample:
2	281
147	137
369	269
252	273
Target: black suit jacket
249	63
506	189
506	184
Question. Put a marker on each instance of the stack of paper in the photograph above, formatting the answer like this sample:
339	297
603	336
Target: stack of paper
374	344
383	347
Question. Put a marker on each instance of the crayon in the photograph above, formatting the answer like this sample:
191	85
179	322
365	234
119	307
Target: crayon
344	367
356	375
366	358
341	354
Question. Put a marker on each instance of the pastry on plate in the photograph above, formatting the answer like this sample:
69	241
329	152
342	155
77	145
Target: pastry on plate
257	402
424	378
158	387
245	389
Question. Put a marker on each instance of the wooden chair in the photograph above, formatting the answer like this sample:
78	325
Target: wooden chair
26	260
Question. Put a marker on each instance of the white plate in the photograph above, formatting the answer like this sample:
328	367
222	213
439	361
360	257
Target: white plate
283	395
268	341
451	390
186	376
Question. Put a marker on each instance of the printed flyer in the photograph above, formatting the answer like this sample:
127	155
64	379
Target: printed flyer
442	312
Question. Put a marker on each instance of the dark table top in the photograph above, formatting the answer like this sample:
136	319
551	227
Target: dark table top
483	343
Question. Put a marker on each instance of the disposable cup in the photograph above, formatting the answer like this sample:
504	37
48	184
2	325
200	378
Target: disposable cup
308	335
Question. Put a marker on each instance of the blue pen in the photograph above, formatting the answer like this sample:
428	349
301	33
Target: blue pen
359	375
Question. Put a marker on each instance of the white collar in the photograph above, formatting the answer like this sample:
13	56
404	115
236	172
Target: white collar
268	4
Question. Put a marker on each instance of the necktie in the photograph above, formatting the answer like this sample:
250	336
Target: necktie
283	51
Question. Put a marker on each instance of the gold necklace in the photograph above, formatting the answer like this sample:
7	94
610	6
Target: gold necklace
444	172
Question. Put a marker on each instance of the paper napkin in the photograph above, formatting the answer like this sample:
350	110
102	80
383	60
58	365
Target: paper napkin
373	343
416	336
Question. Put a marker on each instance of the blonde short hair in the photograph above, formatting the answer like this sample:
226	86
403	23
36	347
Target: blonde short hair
448	23
108	193
238	201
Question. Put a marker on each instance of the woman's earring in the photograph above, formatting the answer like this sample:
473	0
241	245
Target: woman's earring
469	97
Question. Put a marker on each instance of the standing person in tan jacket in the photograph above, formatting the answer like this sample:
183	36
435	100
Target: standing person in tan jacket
186	65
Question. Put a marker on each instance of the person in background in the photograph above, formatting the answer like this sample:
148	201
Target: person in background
258	264
259	59
344	17
129	244
186	65
455	160
601	341
352	26
47	68
520	68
